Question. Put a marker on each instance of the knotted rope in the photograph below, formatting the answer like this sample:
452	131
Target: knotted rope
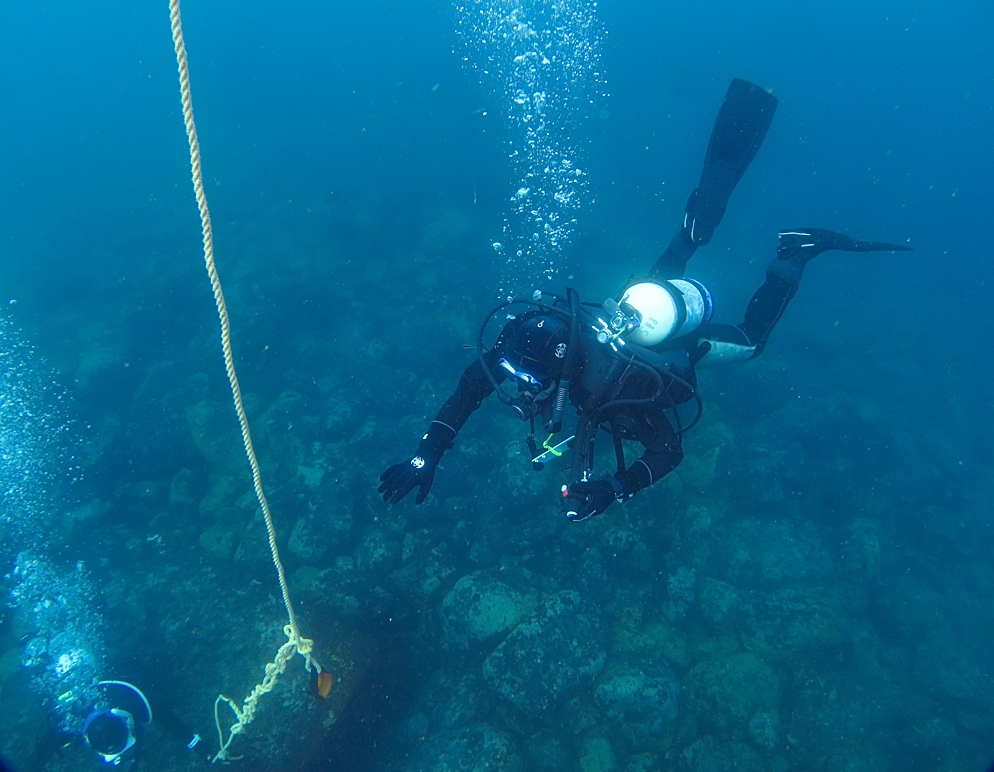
295	642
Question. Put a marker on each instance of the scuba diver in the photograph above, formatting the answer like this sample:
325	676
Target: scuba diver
629	363
117	723
118	726
117	730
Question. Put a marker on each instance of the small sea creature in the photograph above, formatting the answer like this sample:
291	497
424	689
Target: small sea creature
325	682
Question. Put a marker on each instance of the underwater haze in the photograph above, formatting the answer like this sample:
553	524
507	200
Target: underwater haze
811	589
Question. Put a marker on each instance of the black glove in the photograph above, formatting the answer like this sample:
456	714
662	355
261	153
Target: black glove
418	471
592	497
400	479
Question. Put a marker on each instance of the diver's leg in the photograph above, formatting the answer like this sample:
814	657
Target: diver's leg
765	308
783	275
722	344
672	264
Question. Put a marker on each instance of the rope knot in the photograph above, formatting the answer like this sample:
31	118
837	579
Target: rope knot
304	646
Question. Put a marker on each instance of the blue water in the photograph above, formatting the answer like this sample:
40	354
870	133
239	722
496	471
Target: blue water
361	163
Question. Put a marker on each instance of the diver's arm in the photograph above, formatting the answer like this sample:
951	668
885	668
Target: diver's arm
474	385
654	465
589	498
419	470
663	453
473	388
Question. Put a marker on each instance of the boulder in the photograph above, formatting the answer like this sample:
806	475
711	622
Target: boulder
728	692
640	695
548	655
479	609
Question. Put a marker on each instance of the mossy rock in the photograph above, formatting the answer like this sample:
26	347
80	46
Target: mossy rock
728	692
479	608
548	655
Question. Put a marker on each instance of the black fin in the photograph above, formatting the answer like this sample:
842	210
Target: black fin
814	241
739	130
798	245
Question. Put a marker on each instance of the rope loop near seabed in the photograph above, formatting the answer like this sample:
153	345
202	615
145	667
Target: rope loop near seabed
296	643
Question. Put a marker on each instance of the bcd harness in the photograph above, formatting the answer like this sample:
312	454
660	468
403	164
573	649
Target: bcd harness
610	361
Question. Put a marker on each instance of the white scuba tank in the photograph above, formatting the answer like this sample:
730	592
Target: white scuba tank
668	309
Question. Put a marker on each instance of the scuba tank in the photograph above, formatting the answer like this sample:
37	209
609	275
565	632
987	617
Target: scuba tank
667	309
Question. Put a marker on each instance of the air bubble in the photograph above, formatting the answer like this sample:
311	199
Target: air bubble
33	445
541	56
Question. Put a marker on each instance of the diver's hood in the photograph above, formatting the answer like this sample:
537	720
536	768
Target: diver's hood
539	348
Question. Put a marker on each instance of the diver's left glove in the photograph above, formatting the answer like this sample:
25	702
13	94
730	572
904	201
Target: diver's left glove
418	471
584	500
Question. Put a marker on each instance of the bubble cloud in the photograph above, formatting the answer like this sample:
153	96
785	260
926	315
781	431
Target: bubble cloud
541	59
34	445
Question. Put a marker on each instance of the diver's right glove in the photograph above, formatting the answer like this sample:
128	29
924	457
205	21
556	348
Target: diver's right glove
584	500
419	471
